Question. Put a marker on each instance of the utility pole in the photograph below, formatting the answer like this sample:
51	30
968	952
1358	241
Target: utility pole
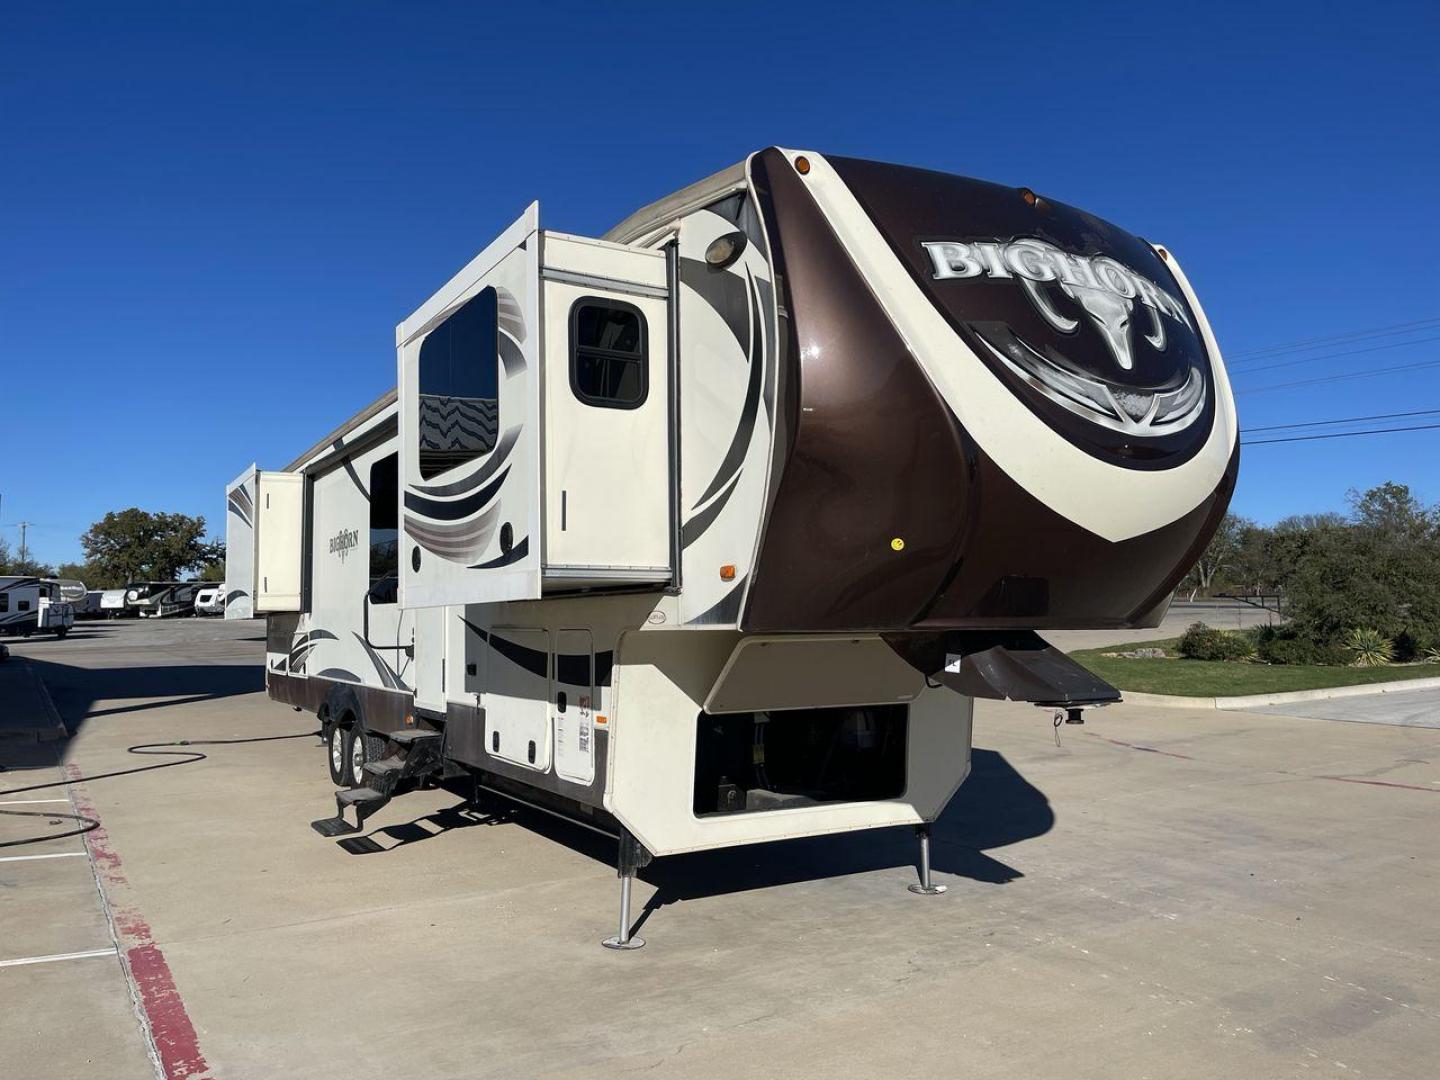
23	526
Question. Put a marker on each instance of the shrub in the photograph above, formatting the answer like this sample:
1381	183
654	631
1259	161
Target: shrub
1282	649
1201	642
1370	647
1416	644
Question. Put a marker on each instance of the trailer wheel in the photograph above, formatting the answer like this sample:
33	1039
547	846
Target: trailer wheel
356	758
338	747
61	631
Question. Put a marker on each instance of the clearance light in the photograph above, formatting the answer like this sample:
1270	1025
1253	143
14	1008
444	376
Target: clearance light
602	719
1029	196
898	544
727	572
802	165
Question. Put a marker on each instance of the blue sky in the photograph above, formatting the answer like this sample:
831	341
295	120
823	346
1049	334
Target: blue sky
213	216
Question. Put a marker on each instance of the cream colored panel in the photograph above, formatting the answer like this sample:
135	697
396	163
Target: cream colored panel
789	672
279	538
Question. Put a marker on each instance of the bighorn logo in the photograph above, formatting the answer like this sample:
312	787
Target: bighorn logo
1107	292
343	541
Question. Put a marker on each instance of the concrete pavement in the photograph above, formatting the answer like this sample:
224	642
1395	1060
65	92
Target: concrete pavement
1168	894
1414	708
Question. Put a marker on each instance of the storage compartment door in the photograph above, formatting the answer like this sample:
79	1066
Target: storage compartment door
239	594
517	696
279	541
469	386
572	704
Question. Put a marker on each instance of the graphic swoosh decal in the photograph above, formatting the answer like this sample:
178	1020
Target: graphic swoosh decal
740	442
460	508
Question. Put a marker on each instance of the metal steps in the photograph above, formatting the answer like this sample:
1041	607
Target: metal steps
409	753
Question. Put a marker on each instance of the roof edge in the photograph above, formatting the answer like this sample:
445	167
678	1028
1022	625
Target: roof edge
376	407
677	204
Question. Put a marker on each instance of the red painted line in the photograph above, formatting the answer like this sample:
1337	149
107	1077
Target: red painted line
1282	772
171	1032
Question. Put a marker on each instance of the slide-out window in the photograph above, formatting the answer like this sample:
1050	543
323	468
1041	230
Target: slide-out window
608	353
385	530
460	387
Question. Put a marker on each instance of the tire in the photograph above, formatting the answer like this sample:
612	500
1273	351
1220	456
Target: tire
61	632
357	757
337	752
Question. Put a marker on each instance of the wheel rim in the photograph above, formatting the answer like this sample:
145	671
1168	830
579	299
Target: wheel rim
337	749
357	758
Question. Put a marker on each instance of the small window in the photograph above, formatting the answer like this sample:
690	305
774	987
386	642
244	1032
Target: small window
385	530
4	601
460	387
23	605
608	354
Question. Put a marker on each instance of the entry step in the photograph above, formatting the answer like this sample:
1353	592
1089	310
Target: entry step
410	736
351	796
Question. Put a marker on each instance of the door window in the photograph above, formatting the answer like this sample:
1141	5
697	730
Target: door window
384	530
608	353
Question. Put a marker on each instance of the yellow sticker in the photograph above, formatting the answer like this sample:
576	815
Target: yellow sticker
897	544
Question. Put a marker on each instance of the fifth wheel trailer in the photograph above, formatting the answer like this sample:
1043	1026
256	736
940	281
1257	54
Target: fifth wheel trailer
708	532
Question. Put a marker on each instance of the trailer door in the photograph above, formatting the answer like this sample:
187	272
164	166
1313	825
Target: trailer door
469	385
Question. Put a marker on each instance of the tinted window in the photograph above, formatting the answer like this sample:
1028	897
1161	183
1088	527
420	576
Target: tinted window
384	530
459	387
608	353
4	601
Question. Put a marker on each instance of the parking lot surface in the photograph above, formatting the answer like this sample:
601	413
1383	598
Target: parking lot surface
1411	708
1165	894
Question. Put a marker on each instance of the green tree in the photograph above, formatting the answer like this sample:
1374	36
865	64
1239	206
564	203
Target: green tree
1221	552
1379	572
134	544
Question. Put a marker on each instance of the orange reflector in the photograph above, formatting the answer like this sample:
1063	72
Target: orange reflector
1029	196
802	164
727	572
602	719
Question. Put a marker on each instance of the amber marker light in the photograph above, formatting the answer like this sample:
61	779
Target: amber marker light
727	572
898	544
1029	196
802	165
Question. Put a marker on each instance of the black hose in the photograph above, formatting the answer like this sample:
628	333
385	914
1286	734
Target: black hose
89	824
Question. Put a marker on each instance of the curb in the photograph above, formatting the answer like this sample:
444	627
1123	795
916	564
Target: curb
1172	701
49	727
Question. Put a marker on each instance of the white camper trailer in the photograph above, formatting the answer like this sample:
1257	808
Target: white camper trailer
30	605
709	531
168	602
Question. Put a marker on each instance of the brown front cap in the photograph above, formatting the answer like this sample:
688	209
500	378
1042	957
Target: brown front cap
873	455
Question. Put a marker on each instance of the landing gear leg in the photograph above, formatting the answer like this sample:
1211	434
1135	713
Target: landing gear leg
632	858
925	887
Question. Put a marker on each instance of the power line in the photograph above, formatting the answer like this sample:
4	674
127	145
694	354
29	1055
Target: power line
1345	420
1336	356
1337	435
1341	378
1315	342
